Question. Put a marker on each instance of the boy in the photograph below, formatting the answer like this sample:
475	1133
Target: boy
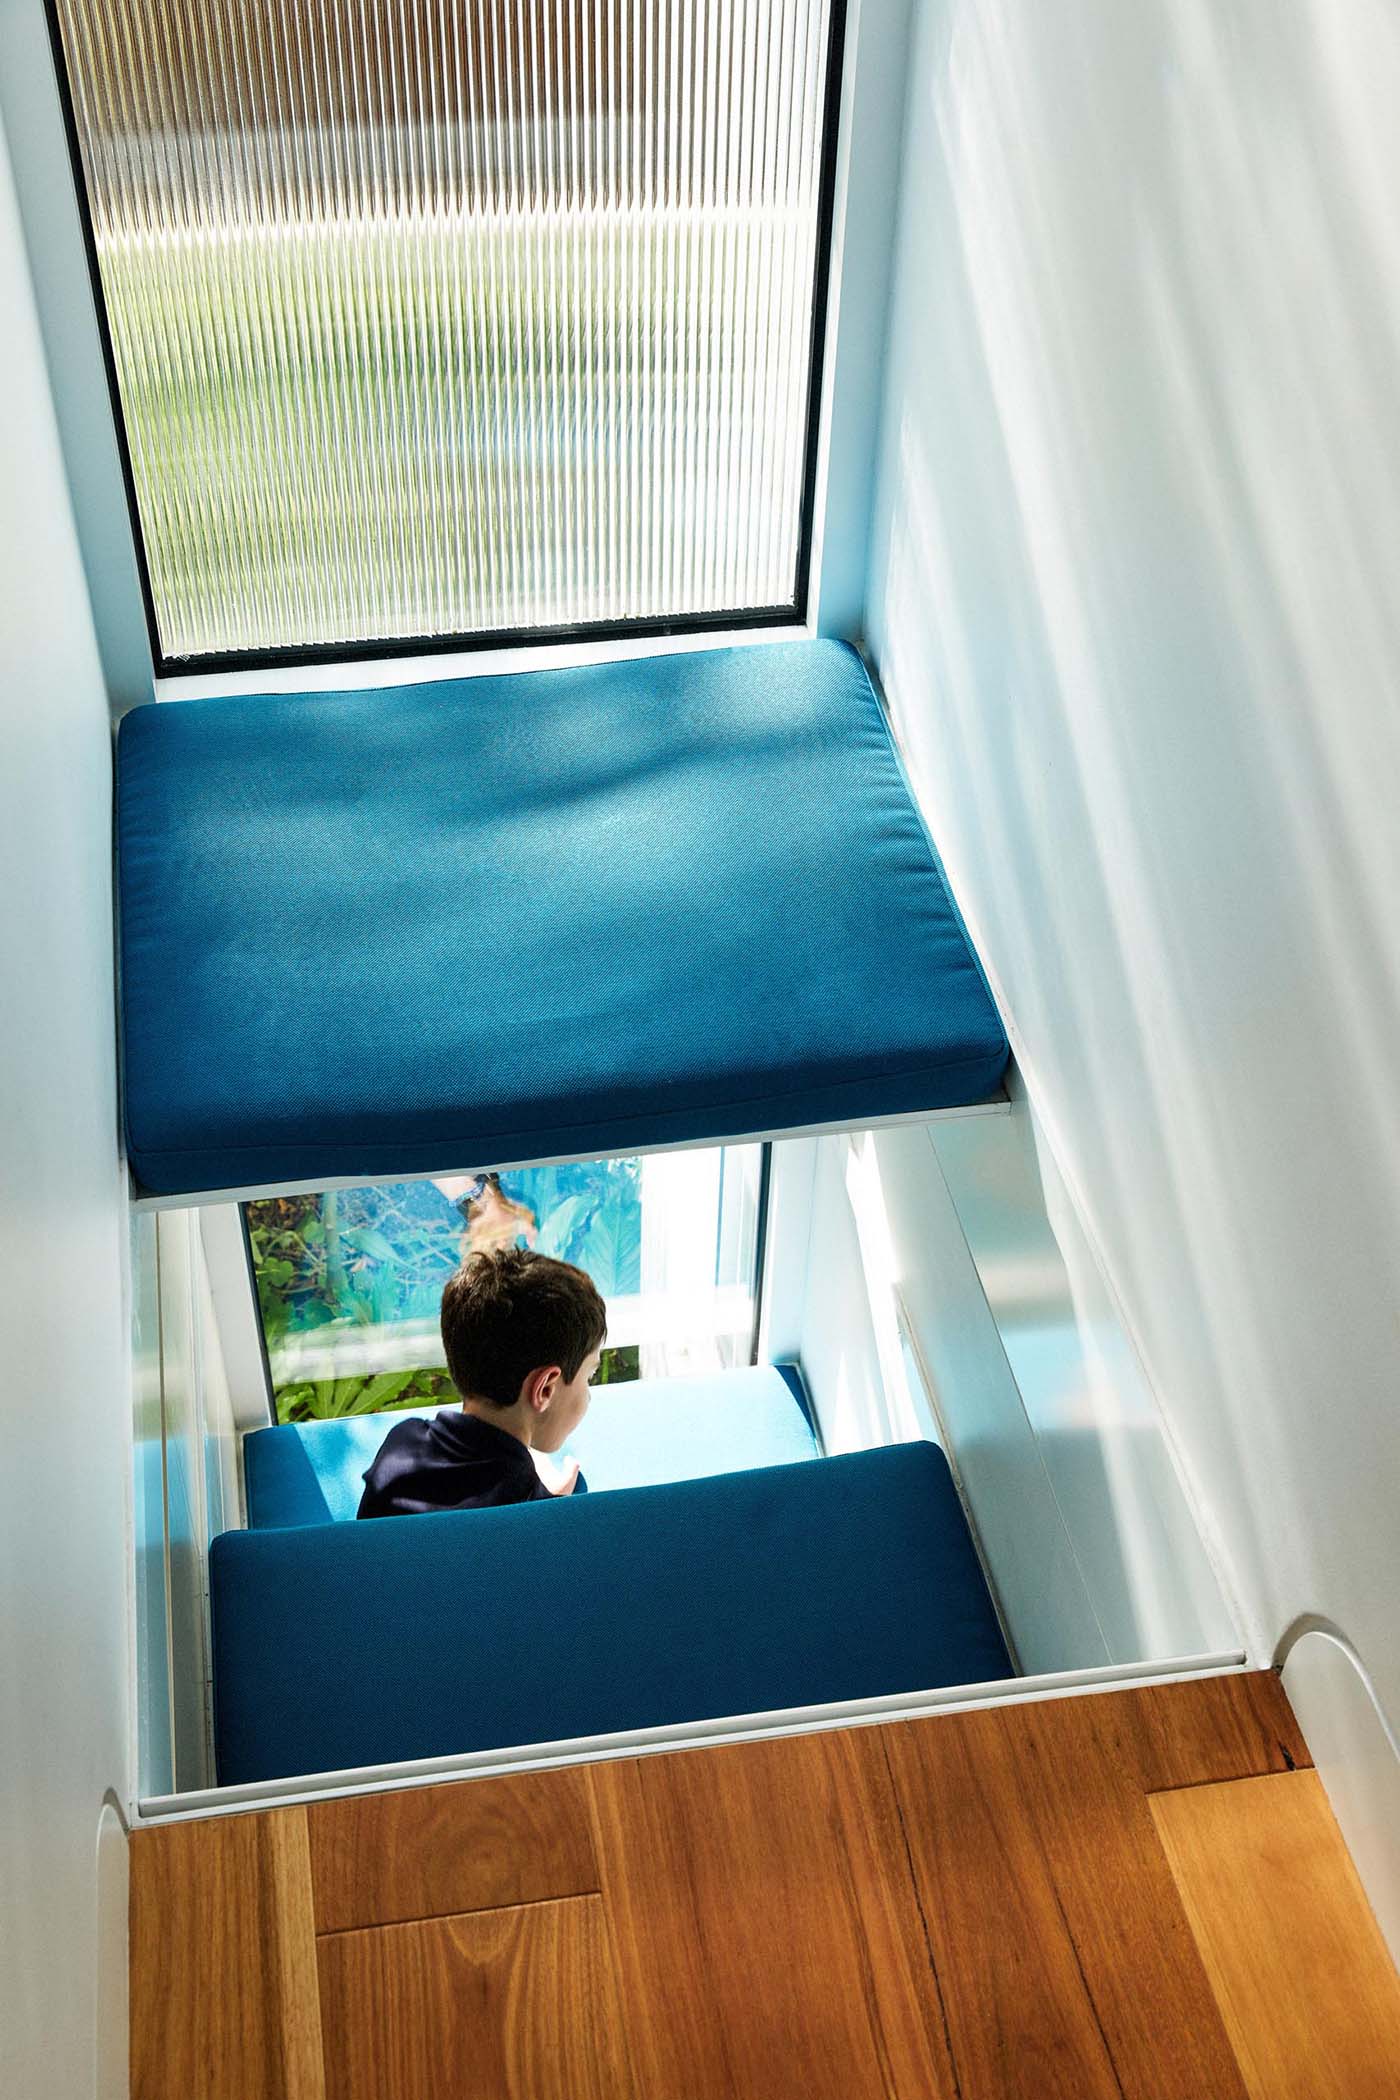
523	1334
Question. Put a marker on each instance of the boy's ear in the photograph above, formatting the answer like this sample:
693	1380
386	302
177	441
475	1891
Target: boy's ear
540	1385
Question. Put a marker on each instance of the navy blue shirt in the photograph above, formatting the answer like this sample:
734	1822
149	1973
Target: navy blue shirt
449	1460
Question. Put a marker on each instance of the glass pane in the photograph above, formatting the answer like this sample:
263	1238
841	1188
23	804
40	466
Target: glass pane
349	1282
443	319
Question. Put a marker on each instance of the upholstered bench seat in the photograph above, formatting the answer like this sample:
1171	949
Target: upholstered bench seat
638	1434
343	1645
476	922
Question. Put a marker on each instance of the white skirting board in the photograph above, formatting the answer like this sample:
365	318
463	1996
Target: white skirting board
695	1735
1356	1754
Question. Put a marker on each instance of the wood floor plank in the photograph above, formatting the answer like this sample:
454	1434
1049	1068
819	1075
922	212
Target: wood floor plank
224	1999
1307	1988
1187	1733
517	2004
1020	2020
967	1907
768	1934
1077	1764
432	1851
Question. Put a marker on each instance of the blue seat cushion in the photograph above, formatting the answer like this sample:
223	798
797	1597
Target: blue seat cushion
635	1435
376	934
341	1645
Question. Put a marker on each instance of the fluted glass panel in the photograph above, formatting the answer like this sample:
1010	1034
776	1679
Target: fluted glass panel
435	319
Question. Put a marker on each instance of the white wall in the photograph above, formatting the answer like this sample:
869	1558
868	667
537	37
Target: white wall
152	1631
1133	599
974	1313
198	1447
836	1341
1097	1437
186	1493
1040	1588
862	244
43	174
64	1403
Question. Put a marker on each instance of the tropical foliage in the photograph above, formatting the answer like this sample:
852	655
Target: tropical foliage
316	1399
350	1260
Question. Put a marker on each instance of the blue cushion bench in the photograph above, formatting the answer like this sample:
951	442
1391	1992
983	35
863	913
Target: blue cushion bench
343	1645
634	1435
476	922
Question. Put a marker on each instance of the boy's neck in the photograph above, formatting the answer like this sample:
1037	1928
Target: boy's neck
517	1421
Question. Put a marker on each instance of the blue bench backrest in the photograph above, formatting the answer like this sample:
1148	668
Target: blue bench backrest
353	1644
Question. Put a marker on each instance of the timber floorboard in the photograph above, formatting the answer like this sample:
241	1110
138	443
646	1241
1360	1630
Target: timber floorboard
974	1906
1308	1992
223	1961
516	2004
768	1934
380	1858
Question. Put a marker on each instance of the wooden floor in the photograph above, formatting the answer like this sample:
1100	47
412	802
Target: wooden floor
1139	1893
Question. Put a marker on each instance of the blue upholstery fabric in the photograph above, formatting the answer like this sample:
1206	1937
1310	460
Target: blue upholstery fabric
354	1644
312	1472
386	933
659	1429
635	1435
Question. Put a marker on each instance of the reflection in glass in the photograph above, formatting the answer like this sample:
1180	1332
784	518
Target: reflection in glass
349	1281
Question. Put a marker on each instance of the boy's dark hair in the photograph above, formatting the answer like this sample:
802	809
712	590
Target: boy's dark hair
506	1314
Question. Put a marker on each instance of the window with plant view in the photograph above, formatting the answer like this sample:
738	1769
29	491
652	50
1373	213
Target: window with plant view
458	317
349	1281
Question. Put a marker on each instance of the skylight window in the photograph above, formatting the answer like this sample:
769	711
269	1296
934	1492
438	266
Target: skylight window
438	323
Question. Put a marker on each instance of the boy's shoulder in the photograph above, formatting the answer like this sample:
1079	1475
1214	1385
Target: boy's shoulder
408	1430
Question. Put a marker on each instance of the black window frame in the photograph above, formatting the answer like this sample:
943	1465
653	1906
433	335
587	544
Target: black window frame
740	618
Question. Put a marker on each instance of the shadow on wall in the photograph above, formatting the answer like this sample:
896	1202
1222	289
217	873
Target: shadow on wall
1133	605
1059	1442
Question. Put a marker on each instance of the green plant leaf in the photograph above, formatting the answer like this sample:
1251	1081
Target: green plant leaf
559	1225
612	1254
295	1403
381	1391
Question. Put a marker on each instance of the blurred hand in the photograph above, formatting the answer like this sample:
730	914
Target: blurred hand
494	1219
454	1186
